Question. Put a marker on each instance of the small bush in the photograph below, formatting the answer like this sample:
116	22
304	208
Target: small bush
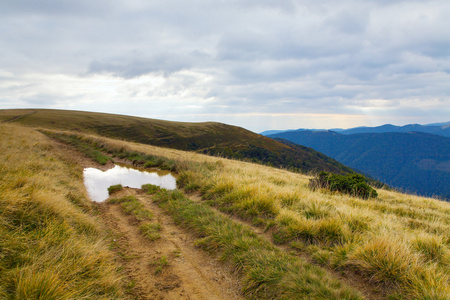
352	184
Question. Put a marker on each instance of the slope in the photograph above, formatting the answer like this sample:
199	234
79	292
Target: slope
209	137
416	162
396	245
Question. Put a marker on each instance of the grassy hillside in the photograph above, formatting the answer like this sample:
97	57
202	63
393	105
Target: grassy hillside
396	245
284	240
51	246
209	138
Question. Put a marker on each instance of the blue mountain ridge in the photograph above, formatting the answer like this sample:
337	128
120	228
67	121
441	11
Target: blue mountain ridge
411	161
442	129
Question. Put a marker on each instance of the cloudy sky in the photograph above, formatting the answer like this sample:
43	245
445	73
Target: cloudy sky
259	64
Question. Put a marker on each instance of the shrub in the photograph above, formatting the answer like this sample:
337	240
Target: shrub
352	184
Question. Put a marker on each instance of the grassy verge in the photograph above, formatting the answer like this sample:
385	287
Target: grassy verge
50	246
377	238
267	272
94	149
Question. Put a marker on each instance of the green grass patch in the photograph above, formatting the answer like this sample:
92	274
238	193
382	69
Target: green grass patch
95	151
131	206
92	151
160	264
150	189
114	189
151	230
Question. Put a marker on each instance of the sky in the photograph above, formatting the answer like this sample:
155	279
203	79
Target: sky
258	64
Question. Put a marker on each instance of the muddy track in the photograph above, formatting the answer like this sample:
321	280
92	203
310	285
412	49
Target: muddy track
190	273
19	117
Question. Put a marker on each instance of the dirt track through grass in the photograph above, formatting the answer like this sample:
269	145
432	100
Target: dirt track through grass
169	267
369	291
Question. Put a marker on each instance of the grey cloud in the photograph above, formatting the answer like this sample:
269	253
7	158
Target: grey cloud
308	55
55	8
136	65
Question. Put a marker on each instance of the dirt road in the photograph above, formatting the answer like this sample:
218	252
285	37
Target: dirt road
170	267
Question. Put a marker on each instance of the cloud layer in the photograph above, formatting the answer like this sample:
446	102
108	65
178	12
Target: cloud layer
258	64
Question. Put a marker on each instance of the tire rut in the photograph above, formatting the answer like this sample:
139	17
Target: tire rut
190	273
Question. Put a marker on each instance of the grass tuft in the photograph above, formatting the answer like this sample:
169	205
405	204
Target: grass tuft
114	189
131	206
151	231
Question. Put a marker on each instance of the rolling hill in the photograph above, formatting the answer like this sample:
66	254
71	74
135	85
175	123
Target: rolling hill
209	137
414	161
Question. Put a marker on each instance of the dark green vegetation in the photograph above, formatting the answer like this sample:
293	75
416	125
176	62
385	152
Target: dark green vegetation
92	151
352	184
268	273
414	162
209	138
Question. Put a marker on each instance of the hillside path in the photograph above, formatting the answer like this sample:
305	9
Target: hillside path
190	274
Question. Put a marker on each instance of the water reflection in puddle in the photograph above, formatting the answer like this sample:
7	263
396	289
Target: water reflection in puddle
97	181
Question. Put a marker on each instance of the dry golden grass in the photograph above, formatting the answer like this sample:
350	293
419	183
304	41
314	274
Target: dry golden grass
50	245
399	242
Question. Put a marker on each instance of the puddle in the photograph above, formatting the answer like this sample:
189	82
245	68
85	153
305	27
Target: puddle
97	181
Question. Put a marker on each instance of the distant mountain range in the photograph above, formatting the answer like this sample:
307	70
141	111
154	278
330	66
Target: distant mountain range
414	158
435	128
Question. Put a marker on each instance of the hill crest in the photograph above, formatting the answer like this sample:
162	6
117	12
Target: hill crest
209	137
